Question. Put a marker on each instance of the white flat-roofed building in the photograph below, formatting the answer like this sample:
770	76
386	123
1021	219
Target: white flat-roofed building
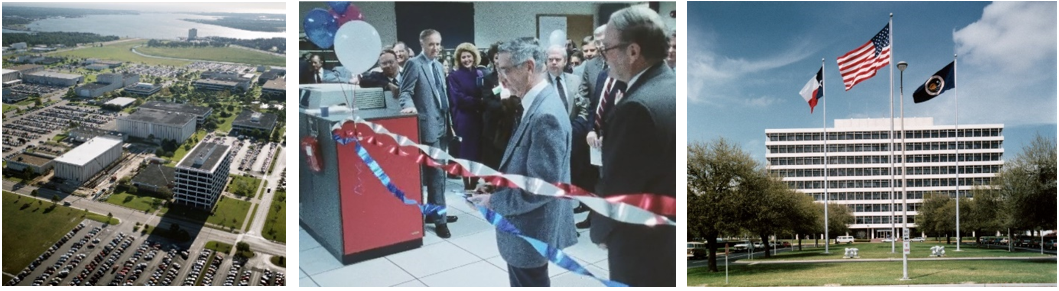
10	75
81	163
163	125
53	78
202	175
121	101
142	89
859	173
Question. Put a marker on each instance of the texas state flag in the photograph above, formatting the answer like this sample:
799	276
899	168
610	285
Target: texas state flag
814	90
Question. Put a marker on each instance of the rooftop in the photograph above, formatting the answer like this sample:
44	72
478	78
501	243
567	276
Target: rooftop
6	71
252	119
92	86
275	84
205	156
121	101
176	107
88	151
29	159
24	67
160	117
55	75
157	175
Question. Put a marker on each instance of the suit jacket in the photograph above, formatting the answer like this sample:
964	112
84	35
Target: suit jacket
418	90
539	148
376	80
639	151
327	76
589	76
574	102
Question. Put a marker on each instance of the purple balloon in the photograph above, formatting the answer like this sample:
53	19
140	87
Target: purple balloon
339	6
352	13
320	28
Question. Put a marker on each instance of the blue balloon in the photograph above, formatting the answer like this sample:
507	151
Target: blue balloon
320	28
339	6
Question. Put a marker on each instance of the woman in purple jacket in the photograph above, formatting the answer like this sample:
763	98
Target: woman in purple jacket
465	83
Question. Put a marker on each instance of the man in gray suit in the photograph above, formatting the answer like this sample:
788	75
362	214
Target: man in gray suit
566	84
539	148
423	92
639	151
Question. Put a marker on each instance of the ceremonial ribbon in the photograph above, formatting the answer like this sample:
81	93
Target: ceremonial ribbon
553	254
645	209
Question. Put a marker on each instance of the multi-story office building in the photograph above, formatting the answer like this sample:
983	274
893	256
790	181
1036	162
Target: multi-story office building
52	78
192	34
81	163
249	121
106	83
142	89
200	112
861	176
162	125
202	174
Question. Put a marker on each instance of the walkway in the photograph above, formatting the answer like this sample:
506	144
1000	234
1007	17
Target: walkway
898	260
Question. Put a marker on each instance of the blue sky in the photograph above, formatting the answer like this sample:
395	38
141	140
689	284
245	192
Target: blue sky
748	60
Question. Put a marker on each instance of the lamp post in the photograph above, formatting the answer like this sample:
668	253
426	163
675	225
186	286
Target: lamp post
904	185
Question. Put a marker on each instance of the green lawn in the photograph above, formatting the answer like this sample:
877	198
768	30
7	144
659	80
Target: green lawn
229	213
120	52
276	224
222	54
30	229
139	202
180	152
244	186
876	273
219	247
274	157
253	212
226	123
276	260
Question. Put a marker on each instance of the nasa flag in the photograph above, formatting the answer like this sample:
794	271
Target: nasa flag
940	82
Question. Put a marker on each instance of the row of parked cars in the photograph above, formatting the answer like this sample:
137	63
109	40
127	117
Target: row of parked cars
1025	242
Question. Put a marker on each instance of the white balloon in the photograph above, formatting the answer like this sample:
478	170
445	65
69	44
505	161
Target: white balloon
357	45
557	38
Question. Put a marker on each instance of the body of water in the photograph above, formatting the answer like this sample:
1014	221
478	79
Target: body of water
145	25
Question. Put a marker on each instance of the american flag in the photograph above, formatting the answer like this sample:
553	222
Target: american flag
861	63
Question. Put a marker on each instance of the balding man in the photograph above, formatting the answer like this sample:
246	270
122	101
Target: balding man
639	150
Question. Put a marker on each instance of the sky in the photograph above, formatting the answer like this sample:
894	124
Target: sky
748	60
245	7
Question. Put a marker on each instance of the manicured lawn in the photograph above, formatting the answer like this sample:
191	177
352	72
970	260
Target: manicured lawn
276	224
244	186
226	123
29	230
221	54
180	152
229	213
882	251
253	212
220	247
877	273
139	202
274	157
279	261
120	52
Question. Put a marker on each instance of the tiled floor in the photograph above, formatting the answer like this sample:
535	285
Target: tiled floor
469	258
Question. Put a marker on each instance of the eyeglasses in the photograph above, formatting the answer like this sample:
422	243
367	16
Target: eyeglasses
605	49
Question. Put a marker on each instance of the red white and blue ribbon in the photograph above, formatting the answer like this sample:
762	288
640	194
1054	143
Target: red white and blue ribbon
641	209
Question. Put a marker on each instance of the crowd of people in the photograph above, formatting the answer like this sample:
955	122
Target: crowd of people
540	110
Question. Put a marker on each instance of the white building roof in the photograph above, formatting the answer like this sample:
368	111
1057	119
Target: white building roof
121	101
6	71
88	151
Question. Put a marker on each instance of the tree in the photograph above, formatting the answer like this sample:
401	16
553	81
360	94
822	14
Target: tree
242	247
54	198
839	217
34	193
717	173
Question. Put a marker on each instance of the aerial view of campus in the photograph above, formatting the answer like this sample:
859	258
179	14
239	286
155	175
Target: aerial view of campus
871	144
143	144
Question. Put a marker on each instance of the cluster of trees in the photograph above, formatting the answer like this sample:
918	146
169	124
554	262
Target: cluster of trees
52	38
245	23
1022	197
181	44
265	44
730	194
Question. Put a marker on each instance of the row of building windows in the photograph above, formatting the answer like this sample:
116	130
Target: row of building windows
880	171
876	195
884	147
885	219
865	135
848	160
885	183
897	206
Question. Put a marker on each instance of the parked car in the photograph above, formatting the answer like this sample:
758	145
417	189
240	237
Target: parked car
844	239
741	247
918	239
889	239
696	250
759	245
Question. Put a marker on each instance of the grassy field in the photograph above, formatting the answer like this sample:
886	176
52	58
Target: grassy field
882	251
30	229
276	224
221	54
180	152
226	123
253	212
877	273
229	213
120	52
276	261
244	186
220	247
274	158
139	202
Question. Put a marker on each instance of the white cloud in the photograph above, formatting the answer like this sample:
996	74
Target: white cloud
714	79
1011	36
763	101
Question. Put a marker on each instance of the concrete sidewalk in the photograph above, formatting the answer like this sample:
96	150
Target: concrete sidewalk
743	262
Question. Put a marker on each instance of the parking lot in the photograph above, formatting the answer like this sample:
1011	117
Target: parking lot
37	126
94	255
251	157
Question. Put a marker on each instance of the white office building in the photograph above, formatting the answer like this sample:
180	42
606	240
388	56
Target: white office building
859	171
80	164
162	125
202	175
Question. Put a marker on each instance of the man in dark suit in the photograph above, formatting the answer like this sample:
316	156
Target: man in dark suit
316	73
566	84
639	151
539	148
586	175
386	77
423	93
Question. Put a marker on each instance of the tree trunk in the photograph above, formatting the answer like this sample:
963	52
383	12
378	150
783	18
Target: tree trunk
816	242
765	242
711	244
948	239
1010	249
799	242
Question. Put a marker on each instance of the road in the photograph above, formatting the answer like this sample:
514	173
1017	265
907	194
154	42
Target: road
269	182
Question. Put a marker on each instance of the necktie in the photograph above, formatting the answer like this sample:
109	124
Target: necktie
603	103
562	92
439	87
610	97
518	113
318	79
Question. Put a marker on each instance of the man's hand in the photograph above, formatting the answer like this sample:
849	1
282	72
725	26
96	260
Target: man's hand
593	140
396	91
602	246
410	110
355	80
480	200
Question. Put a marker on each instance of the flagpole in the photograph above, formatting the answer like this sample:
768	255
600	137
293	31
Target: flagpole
958	237
827	245
893	226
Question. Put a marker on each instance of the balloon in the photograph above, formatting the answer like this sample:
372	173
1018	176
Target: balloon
320	28
557	38
339	6
357	45
352	14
